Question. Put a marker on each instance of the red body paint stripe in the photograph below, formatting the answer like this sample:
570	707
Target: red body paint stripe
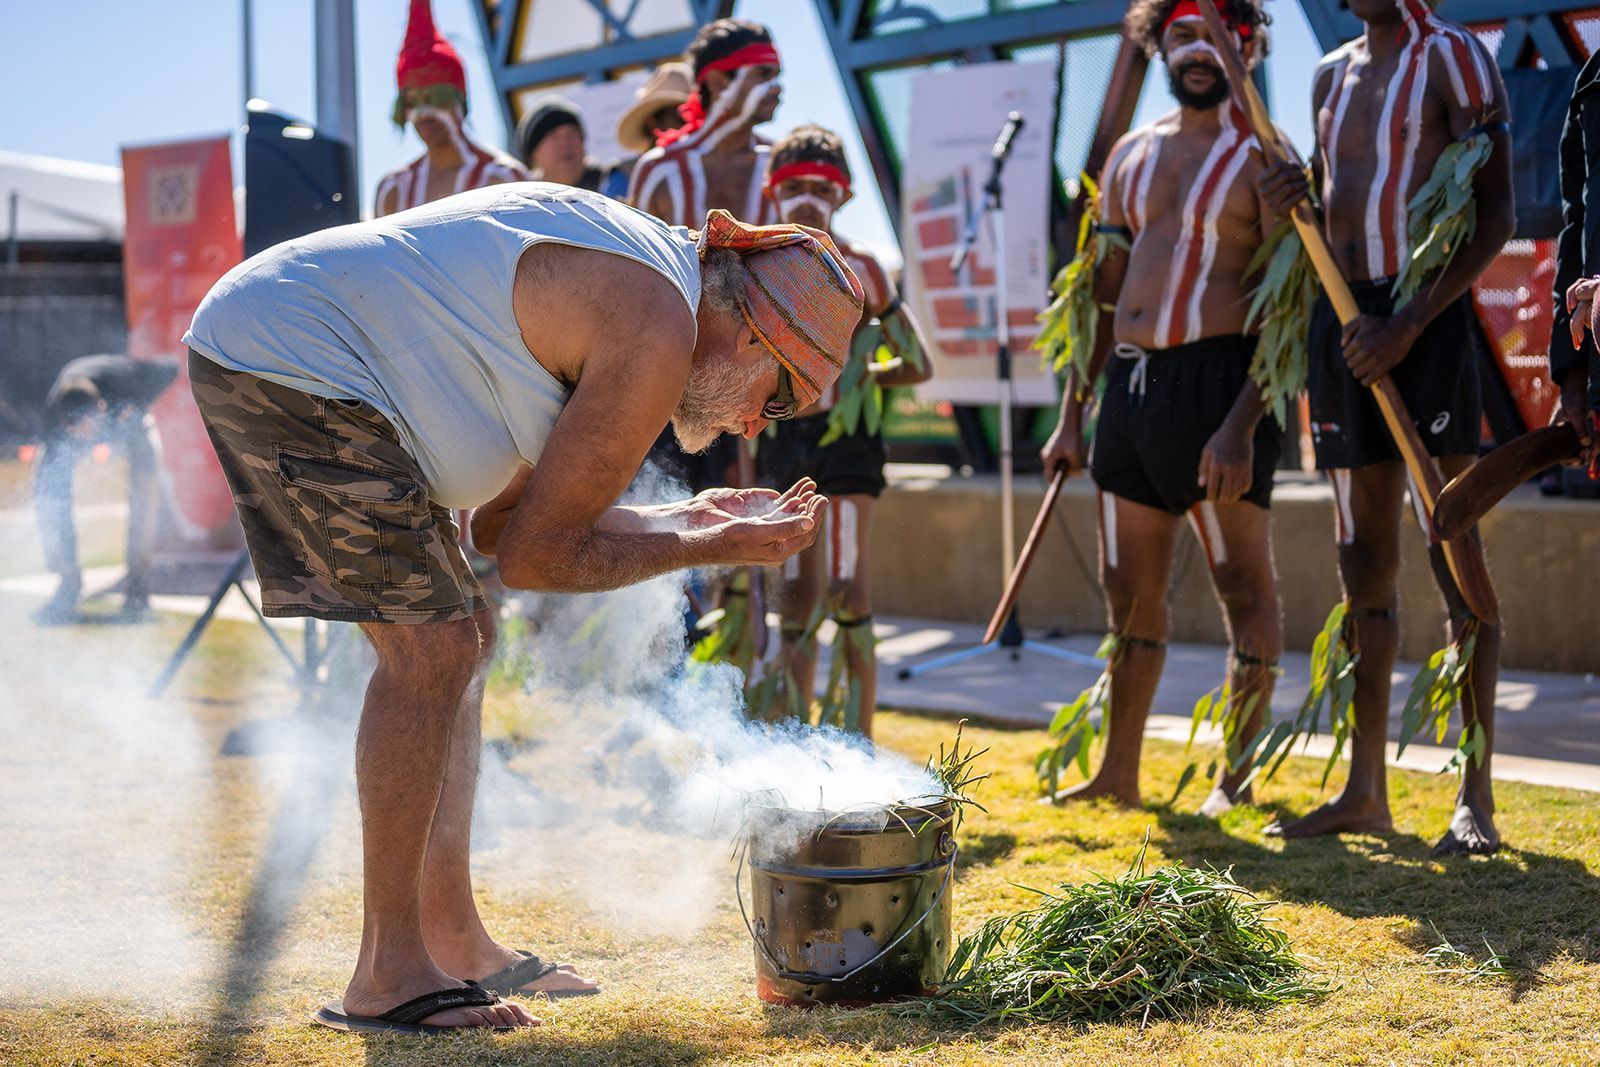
1196	225
1398	120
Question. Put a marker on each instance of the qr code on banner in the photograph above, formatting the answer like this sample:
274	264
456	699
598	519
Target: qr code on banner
173	192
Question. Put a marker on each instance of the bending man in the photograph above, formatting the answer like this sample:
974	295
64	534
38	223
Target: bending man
1181	431
361	382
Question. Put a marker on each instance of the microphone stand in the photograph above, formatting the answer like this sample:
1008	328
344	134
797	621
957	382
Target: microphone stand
1011	638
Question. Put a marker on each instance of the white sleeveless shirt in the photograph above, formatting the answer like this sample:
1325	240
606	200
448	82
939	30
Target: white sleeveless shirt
412	314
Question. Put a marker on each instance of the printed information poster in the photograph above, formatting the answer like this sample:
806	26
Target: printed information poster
181	237
956	116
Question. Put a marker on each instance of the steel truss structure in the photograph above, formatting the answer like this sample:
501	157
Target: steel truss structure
880	45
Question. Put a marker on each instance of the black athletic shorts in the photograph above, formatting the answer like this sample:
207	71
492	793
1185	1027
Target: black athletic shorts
1438	380
701	471
1151	433
852	465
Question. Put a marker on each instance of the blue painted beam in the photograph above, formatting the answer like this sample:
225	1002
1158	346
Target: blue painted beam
989	31
634	52
883	170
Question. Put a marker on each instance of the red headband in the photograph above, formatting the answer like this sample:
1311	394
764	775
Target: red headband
1190	9
809	168
751	55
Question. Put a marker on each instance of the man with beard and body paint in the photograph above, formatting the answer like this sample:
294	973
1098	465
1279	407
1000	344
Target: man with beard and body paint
1182	429
433	100
1411	85
714	160
363	381
809	180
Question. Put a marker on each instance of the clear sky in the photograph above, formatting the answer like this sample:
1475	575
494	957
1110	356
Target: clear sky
87	76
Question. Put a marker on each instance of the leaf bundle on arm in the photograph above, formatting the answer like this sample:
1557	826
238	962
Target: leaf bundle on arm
1280	310
1069	324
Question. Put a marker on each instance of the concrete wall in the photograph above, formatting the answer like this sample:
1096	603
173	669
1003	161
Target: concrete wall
936	552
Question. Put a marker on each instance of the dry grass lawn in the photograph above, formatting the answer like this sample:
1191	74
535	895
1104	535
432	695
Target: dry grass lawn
1362	909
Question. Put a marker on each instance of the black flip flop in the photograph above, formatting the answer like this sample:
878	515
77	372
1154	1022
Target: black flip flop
405	1019
511	980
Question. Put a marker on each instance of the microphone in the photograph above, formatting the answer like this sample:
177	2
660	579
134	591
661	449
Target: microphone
997	161
1002	145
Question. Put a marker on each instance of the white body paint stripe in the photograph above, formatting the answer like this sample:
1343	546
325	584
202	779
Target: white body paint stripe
846	516
1344	520
1419	511
1108	527
1225	142
1208	254
1203	516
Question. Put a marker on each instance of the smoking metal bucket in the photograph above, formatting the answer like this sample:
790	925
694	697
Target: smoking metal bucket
849	909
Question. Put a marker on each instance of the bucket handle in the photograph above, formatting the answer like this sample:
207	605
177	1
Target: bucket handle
812	977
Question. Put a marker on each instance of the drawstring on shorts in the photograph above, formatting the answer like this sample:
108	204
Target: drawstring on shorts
1141	369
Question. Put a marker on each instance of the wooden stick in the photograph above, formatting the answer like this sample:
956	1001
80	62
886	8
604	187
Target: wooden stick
1474	492
1465	559
1008	599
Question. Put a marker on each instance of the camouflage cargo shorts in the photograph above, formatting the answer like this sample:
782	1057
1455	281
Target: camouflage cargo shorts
336	514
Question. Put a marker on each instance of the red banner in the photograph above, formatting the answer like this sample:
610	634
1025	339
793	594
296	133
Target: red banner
181	237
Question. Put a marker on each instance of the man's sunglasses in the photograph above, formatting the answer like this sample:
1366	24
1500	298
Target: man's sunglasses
781	405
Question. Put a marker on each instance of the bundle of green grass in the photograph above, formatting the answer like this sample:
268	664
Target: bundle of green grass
1151	945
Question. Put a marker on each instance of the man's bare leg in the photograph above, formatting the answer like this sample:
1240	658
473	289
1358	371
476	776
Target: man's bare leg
800	599
451	926
1472	828
850	585
1369	566
1135	567
1246	585
413	702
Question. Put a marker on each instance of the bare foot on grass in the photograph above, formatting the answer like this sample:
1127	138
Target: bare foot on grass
1472	833
1220	802
1097	789
1343	814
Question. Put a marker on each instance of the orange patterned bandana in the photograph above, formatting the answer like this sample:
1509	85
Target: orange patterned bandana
801	300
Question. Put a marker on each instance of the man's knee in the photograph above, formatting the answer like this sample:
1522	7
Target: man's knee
852	597
1369	570
1245	591
434	654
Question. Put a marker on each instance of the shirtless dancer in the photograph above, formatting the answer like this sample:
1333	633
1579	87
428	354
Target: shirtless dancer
716	160
1182	430
1411	85
809	181
433	99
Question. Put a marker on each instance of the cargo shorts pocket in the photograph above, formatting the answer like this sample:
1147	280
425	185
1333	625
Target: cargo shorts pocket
360	526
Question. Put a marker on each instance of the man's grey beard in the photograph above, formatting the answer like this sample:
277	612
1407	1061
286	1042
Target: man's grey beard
711	401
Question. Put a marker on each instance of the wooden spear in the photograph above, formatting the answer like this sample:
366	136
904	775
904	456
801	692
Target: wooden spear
1463	554
1008	599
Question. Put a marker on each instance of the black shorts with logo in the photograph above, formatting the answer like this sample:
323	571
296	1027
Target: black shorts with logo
849	466
1438	380
1155	423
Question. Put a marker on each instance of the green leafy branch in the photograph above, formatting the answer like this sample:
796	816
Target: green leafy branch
1075	729
1145	946
1442	216
1068	326
840	704
1436	691
1333	688
1219	709
1280	309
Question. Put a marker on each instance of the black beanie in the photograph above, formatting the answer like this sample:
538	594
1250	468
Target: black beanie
547	116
